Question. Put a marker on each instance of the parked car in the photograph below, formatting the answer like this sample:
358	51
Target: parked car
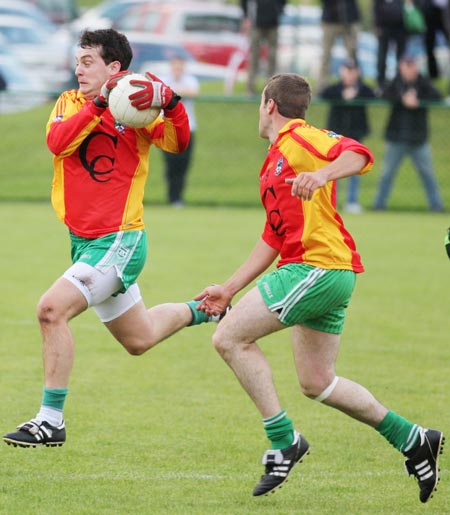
59	11
153	53
28	10
44	54
103	15
23	89
211	31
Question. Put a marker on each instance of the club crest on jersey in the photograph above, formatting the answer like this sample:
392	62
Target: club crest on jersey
332	134
120	127
279	166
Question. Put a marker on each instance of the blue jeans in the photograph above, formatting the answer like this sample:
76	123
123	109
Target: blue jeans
421	158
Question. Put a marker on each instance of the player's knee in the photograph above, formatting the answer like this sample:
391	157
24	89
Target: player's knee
135	346
218	341
318	388
48	311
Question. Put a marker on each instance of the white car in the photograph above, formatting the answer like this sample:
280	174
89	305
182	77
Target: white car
153	53
102	16
23	90
45	55
28	10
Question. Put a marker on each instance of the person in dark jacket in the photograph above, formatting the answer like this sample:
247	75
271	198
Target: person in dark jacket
390	30
348	116
261	22
340	18
407	131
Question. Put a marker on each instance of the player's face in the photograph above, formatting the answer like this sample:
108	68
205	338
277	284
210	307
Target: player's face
91	71
264	121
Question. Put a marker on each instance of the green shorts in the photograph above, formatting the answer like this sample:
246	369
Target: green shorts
126	251
307	295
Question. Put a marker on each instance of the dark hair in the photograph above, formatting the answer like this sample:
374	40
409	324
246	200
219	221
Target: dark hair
291	93
112	45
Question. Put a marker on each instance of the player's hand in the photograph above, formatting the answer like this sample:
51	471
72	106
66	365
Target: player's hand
153	93
101	100
214	299
306	183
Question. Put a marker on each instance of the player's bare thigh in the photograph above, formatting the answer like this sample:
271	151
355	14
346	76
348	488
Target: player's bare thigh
249	320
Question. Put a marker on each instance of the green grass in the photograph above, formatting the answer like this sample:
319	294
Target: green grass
171	432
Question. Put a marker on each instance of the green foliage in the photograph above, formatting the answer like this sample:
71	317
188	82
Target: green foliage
171	432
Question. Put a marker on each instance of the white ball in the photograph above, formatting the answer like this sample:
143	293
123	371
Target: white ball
120	105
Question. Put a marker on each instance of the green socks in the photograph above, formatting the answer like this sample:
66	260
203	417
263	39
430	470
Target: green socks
54	397
399	432
279	430
52	405
198	317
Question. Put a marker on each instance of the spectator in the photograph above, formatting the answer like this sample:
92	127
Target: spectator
261	21
390	30
177	164
437	17
349	118
407	131
3	83
340	18
447	242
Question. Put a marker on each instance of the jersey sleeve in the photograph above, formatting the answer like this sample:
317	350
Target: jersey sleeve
172	133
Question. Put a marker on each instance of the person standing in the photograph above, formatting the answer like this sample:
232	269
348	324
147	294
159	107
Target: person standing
437	18
407	132
177	164
100	170
261	22
308	291
340	18
390	30
347	116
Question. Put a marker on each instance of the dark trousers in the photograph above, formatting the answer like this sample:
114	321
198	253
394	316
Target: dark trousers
176	168
437	20
386	36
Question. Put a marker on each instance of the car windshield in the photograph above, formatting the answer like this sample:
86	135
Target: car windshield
211	23
144	52
21	35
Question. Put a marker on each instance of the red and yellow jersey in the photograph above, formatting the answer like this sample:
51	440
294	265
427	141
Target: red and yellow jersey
101	166
312	231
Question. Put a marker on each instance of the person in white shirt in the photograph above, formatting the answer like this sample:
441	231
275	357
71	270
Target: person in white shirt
177	165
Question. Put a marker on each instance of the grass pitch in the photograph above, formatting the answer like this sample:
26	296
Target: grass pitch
171	432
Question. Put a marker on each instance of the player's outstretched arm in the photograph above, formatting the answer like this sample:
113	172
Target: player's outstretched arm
216	298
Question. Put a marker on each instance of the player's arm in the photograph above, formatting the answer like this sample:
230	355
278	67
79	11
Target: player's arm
348	163
217	297
68	127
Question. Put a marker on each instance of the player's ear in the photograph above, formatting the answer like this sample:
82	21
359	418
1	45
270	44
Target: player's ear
115	67
271	105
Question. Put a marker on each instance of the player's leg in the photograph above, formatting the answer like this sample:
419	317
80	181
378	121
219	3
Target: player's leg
139	329
56	308
235	339
315	353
